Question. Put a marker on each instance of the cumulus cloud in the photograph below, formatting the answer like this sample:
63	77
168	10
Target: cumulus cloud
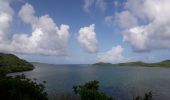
46	37
87	38
87	5
27	13
126	20
115	55
101	4
145	24
6	16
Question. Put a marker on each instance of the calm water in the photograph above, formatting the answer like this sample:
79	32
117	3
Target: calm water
121	82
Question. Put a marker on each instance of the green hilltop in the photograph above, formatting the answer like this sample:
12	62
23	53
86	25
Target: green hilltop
11	63
165	63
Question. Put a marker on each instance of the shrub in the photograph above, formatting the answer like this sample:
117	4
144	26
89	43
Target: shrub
89	91
21	88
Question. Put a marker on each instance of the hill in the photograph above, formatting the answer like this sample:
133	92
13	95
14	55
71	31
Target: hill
103	64
165	63
11	63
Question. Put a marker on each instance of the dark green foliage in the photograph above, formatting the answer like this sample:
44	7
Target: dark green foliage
147	96
21	88
102	64
11	63
165	63
89	91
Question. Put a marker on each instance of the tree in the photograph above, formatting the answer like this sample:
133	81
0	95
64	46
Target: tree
89	91
147	96
21	88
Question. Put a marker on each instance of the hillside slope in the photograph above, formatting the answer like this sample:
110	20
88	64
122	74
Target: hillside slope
11	63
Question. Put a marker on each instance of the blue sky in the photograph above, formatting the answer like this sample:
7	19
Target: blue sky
85	31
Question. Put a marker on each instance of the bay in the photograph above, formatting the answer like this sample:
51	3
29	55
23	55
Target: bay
123	83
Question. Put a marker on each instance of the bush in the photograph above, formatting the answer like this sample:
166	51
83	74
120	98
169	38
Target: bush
21	88
89	91
147	96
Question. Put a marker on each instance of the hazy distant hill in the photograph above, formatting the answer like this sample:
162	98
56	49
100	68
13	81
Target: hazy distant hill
165	63
11	63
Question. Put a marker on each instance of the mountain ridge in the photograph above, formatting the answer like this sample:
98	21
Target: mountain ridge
165	63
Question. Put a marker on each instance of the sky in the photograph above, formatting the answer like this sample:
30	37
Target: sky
85	31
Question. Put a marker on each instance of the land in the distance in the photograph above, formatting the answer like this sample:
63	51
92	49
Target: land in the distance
165	63
10	63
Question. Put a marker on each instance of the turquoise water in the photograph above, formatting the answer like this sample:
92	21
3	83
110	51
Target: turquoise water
121	82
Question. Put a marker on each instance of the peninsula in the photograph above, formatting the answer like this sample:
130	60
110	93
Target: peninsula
10	63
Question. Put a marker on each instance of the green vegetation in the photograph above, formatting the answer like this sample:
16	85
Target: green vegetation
147	96
11	63
89	91
165	63
21	88
18	87
103	64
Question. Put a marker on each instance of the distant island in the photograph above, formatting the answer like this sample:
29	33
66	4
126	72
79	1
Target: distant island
10	63
165	63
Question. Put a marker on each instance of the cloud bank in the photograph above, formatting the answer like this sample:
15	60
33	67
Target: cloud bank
87	38
145	24
46	37
115	55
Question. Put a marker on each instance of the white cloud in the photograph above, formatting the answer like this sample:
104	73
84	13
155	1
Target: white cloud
115	55
27	13
126	19
46	37
146	24
101	4
87	5
6	14
109	20
137	38
87	38
123	19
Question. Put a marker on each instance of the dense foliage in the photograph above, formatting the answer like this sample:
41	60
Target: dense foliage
11	63
90	91
165	63
103	64
147	96
21	88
